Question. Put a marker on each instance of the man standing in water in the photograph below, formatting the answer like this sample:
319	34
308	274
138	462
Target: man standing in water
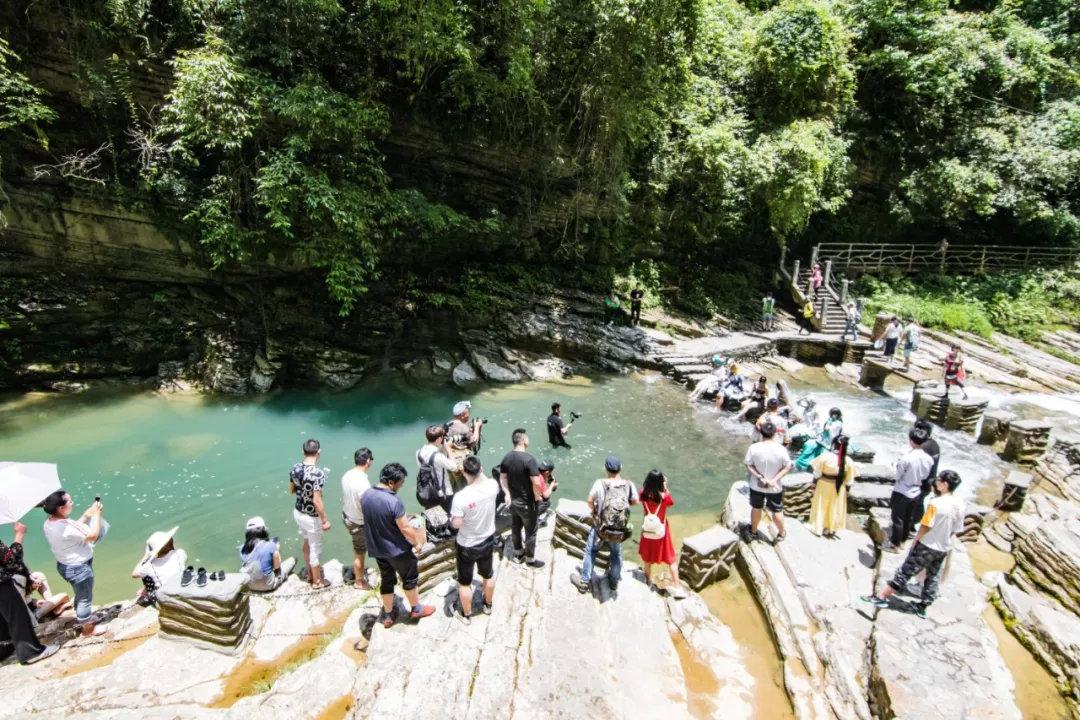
635	305
944	517
557	427
392	540
524	484
306	481
459	430
767	462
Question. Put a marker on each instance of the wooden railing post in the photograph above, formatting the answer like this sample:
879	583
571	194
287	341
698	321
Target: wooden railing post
843	291
982	261
783	256
910	257
1027	255
814	255
795	273
944	249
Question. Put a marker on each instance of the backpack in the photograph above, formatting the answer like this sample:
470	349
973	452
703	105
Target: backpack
652	527
613	520
437	524
428	487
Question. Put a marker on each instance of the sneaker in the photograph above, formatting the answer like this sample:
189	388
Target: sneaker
580	583
420	611
780	538
517	558
534	563
878	602
462	617
920	611
50	650
486	608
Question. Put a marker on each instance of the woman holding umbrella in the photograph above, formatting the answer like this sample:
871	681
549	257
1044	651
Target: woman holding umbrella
16	626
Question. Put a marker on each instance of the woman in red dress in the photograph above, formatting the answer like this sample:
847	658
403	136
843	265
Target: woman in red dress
655	500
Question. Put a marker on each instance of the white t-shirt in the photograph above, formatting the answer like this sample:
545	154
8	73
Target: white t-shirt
911	469
475	504
165	568
892	331
353	485
443	466
768	457
596	494
67	540
945	517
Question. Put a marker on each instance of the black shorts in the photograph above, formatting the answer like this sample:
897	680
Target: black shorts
773	501
403	565
481	556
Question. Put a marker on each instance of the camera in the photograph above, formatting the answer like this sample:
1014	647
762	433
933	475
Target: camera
574	415
483	421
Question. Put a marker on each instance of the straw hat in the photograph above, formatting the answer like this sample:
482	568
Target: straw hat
155	542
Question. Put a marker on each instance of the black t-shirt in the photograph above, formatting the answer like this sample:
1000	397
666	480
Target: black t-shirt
519	469
555	426
635	297
931	448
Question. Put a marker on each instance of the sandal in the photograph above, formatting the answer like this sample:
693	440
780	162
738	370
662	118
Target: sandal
388	618
324	583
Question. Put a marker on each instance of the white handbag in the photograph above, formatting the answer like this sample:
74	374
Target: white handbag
652	527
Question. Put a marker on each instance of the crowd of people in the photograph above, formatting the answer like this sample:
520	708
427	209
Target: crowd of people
461	501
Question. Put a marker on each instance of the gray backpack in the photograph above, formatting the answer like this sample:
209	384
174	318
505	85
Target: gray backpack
613	519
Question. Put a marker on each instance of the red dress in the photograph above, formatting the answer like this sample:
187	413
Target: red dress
662	550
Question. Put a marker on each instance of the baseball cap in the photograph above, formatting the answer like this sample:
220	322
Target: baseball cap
612	464
255	523
461	407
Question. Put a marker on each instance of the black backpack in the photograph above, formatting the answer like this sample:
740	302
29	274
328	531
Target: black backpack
428	487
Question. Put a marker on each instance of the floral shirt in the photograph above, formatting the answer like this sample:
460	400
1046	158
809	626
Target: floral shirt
308	480
11	561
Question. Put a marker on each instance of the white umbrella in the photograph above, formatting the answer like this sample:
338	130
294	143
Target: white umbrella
24	485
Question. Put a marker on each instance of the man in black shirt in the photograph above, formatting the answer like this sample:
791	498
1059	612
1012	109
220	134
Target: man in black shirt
557	428
635	305
523	483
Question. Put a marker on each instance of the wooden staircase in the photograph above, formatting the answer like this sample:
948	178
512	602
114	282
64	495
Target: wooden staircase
830	315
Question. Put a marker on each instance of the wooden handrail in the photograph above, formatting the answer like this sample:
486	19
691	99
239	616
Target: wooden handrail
942	257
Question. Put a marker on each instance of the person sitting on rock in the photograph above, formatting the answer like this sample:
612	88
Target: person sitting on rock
460	432
160	564
17	636
394	543
260	556
734	387
473	516
944	517
48	604
772	415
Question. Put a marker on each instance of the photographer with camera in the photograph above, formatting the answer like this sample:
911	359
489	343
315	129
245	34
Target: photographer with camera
557	428
460	431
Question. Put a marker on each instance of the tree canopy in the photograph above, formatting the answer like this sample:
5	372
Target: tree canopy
682	131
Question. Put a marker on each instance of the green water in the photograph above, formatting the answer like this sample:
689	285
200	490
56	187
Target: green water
207	463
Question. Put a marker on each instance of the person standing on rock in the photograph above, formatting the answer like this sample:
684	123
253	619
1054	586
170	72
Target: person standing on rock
851	323
910	341
610	500
954	370
394	543
806	322
944	517
767	462
525	485
612	307
17	636
635	305
817	279
433	455
833	475
931	448
460	431
892	339
306	481
654	548
911	470
768	312
354	483
473	515
72	543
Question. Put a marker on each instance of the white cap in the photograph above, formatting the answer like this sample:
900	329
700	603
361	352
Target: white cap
255	523
461	407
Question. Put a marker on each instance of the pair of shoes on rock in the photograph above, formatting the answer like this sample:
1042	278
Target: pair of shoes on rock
200	576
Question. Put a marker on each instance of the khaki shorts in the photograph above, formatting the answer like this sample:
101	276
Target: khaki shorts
358	535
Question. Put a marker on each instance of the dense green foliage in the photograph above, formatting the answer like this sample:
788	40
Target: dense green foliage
1017	303
672	135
